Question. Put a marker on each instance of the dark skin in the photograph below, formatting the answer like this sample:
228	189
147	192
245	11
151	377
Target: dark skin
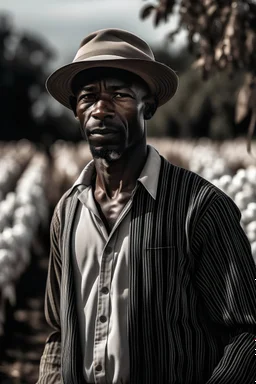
112	108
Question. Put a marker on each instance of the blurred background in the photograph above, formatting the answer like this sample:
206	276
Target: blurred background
208	127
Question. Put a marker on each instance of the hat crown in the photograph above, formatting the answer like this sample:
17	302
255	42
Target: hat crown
113	42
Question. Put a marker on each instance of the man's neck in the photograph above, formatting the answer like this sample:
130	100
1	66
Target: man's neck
120	175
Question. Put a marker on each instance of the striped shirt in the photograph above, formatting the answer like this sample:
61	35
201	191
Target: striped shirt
192	291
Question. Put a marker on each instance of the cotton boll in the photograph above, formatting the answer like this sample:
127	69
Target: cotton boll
252	207
248	215
10	199
12	257
220	167
249	190
19	214
6	208
4	258
7	237
37	191
251	175
241	200
238	182
253	246
250	235
233	189
251	231
23	198
225	181
252	226
26	215
22	235
241	174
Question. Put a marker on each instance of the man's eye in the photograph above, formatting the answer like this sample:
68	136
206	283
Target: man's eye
87	97
119	95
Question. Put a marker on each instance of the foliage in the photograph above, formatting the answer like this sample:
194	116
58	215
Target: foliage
222	35
200	109
26	109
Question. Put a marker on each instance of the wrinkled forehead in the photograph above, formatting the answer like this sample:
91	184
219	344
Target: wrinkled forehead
112	76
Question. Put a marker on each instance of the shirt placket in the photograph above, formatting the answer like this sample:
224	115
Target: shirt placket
103	307
102	319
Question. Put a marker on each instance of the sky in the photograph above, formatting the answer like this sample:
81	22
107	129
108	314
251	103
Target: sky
64	23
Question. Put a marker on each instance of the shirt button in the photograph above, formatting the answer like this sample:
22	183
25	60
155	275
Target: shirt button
104	290
98	368
103	319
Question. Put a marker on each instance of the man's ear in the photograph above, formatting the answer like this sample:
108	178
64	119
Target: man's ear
72	102
150	107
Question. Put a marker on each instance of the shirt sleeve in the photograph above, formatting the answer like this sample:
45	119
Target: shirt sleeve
226	280
50	364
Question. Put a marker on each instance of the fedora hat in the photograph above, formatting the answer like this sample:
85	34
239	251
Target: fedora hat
114	48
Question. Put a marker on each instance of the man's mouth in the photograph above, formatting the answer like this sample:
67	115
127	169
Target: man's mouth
103	131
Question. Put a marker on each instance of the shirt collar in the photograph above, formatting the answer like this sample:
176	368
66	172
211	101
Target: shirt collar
148	177
86	175
150	173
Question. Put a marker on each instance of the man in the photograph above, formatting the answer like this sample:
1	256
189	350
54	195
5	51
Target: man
151	279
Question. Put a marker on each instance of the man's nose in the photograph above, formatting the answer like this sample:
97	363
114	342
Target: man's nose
102	110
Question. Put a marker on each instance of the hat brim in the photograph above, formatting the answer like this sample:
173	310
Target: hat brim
161	79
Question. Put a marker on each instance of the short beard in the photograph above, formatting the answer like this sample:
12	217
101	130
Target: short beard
109	155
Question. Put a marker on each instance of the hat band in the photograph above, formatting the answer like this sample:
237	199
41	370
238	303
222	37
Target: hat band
102	57
83	54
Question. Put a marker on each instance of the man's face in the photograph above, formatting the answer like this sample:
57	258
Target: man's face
110	108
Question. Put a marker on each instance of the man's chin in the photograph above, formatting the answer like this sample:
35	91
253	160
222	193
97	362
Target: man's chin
108	154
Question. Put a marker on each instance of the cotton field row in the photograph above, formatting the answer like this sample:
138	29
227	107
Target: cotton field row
23	208
13	160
